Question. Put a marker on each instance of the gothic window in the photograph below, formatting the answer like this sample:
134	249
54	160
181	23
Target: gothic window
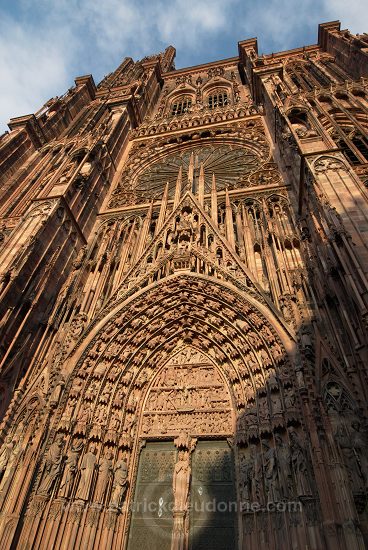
335	71
218	98
181	105
294	80
336	398
347	152
229	164
299	78
318	75
361	144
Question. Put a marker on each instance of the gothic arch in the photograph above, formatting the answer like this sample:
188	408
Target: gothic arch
117	361
219	83
112	312
186	95
325	163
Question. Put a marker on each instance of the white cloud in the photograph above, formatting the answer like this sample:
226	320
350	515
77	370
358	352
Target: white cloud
33	67
63	39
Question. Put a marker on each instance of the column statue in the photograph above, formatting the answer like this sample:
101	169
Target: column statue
120	483
52	466
87	470
270	472
299	465
5	453
105	471
284	467
70	470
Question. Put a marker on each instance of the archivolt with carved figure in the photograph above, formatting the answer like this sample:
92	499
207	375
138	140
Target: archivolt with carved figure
188	355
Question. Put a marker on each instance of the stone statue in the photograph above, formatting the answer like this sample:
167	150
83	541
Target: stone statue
84	415
276	403
270	472
256	481
8	454
181	481
5	453
56	393
299	465
70	470
120	483
105	471
359	442
52	466
284	467
353	450
246	473
289	398
87	470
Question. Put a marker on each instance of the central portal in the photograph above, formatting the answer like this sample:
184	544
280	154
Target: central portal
185	497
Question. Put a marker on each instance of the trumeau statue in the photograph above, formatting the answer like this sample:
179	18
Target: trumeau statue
181	481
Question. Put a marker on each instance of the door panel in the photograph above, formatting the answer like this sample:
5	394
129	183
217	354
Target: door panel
212	517
152	521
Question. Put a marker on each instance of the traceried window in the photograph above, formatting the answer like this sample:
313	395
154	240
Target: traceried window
336	398
354	146
181	105
361	144
219	98
348	153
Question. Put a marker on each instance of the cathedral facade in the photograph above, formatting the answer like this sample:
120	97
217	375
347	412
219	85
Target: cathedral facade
184	306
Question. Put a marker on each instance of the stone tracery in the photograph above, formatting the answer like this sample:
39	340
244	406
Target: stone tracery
209	259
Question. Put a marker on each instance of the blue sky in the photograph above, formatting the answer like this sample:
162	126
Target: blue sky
45	44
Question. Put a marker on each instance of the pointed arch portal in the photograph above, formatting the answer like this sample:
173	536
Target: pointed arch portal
189	395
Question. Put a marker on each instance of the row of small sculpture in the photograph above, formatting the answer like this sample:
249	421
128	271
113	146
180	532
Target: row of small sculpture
93	476
269	474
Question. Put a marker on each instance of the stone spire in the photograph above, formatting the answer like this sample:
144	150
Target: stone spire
178	187
201	185
214	200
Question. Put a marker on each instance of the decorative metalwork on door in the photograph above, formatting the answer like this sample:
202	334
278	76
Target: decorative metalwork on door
213	504
165	516
152	521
